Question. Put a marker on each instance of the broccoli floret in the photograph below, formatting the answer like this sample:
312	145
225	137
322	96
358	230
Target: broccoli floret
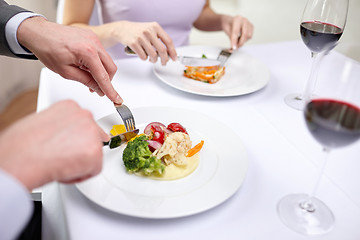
153	165
137	157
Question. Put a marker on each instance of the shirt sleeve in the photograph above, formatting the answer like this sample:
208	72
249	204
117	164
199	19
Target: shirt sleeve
15	207
11	28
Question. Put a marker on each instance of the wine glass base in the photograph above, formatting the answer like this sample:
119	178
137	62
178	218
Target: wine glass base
295	101
319	221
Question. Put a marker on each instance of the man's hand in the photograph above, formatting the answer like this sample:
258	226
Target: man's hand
74	53
62	143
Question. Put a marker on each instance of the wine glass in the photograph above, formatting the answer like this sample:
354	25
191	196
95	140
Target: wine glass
332	116
321	27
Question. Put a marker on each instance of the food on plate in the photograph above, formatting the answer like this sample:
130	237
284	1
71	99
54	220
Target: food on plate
138	157
209	74
162	152
195	149
117	129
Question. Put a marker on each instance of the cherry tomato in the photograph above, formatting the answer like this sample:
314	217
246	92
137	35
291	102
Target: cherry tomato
176	127
157	134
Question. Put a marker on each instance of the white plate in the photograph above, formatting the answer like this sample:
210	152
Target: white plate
221	171
244	74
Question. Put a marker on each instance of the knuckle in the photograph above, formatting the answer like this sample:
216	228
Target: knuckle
155	24
71	104
86	114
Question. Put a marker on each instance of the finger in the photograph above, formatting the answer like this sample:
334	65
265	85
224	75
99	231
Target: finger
84	77
139	51
104	137
166	39
102	78
161	51
235	32
108	63
246	33
98	91
77	180
149	49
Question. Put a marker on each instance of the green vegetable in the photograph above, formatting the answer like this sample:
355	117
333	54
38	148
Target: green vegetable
137	157
203	56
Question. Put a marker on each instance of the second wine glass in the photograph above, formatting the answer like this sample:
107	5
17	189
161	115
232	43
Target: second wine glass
332	116
321	27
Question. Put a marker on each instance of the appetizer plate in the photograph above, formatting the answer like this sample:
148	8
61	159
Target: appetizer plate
221	171
244	74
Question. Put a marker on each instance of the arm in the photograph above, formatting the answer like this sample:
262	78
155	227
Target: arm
146	39
6	13
238	28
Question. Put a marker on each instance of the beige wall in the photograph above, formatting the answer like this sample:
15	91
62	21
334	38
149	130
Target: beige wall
19	75
279	20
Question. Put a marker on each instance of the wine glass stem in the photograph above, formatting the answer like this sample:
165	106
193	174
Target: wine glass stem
310	85
307	204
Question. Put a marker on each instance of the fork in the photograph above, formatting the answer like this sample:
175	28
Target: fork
126	116
224	55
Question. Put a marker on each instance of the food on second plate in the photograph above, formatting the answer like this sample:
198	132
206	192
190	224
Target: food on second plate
210	74
162	152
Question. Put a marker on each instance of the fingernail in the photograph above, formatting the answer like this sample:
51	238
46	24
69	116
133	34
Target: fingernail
118	99
234	47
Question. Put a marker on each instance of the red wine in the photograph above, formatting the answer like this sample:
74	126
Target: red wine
318	36
333	123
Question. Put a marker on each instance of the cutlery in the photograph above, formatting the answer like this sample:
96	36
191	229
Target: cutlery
119	139
126	116
224	56
187	60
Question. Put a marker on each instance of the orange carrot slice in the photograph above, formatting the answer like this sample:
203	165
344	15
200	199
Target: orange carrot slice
195	149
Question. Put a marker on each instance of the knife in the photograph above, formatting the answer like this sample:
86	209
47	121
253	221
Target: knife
119	139
187	60
224	56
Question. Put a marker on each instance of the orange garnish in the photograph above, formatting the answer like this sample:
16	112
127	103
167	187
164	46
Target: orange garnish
195	149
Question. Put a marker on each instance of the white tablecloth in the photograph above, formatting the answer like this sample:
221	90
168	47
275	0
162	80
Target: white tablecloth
283	157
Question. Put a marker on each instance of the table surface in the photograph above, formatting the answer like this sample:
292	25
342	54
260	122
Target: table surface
283	157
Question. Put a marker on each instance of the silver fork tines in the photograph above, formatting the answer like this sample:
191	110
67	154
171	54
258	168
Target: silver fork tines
224	55
126	116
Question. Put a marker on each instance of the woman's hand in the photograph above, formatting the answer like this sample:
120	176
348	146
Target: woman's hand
238	28
146	39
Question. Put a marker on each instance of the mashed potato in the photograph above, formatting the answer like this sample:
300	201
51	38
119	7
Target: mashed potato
172	153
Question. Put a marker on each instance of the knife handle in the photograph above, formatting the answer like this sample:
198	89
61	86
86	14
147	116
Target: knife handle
129	51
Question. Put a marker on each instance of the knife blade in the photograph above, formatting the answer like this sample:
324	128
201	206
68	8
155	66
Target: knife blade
119	139
187	60
198	62
224	56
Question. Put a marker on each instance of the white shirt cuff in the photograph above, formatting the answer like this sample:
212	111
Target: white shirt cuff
11	28
16	206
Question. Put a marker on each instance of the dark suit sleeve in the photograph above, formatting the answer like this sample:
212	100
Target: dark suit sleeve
7	12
